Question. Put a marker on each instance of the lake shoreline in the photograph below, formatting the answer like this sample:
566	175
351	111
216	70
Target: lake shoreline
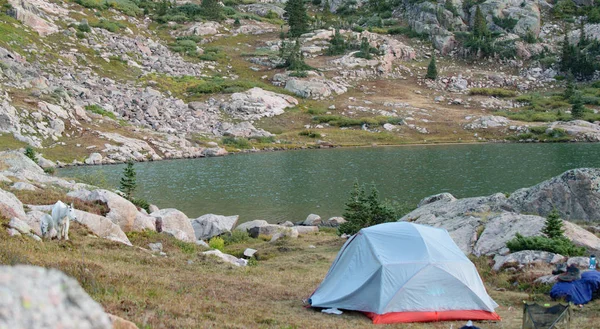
269	150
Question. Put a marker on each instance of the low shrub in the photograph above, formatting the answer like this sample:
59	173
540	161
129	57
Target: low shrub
84	27
562	246
217	243
236	236
496	92
237	142
111	26
94	108
31	153
309	133
141	203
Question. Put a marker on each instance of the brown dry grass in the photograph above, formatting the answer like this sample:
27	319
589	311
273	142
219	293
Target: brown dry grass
188	290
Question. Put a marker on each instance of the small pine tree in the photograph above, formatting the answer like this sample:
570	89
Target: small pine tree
337	44
297	18
577	110
212	9
480	28
364	210
237	23
30	153
128	183
432	69
365	49
570	88
568	58
553	228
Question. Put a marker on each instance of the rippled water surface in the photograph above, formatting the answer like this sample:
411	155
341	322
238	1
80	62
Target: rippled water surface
290	185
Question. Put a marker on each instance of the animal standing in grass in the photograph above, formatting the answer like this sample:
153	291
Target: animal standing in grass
62	214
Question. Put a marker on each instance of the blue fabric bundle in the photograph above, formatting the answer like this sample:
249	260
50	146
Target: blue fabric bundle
579	291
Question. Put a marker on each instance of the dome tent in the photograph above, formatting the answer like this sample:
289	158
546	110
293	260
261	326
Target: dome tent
405	272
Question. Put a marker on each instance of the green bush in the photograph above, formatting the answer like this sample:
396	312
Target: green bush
217	243
84	27
141	203
562	246
236	236
50	170
31	153
496	92
506	23
111	26
364	210
271	15
309	133
185	46
237	142
554	241
94	108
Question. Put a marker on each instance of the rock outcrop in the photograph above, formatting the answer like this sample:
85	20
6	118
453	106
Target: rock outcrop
575	194
35	297
207	226
257	103
483	225
175	223
122	211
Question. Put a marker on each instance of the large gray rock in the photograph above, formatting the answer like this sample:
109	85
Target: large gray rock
209	225
102	227
526	257
257	103
10	206
143	222
580	130
20	225
306	229
312	219
253	223
462	217
503	227
23	186
227	258
122	211
176	223
575	194
35	297
271	230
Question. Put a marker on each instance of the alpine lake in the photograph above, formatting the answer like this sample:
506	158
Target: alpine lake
290	185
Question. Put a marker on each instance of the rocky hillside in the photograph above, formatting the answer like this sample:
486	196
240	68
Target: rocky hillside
107	81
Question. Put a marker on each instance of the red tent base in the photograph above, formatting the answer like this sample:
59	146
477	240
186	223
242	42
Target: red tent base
396	317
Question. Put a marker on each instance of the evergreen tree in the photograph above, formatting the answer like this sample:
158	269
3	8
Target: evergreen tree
30	153
577	110
480	28
236	22
570	89
128	184
337	44
553	228
212	9
365	49
432	69
568	56
364	210
297	18
292	55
